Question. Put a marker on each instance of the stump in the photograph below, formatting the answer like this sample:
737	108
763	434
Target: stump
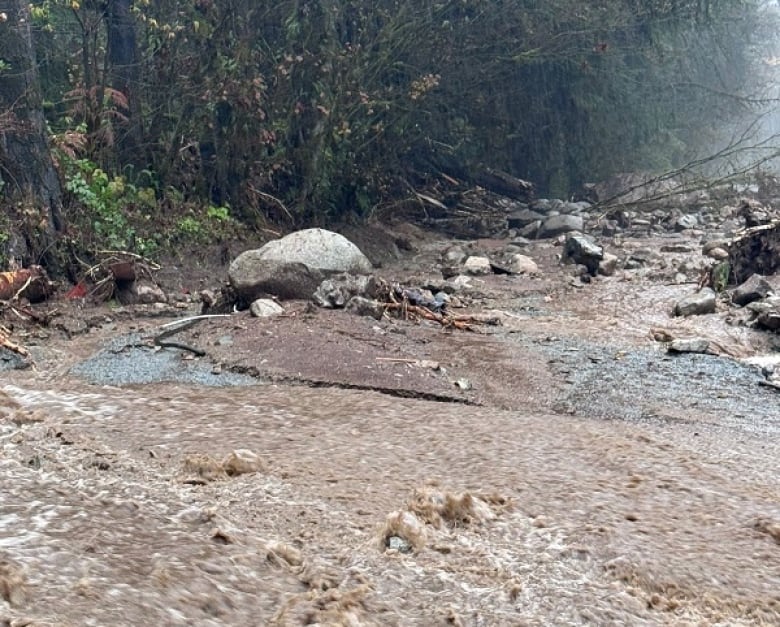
757	251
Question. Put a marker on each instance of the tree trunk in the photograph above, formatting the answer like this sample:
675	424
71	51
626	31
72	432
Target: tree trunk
27	172
123	69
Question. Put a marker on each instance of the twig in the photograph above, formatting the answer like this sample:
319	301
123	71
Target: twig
193	318
21	289
274	199
399	360
152	265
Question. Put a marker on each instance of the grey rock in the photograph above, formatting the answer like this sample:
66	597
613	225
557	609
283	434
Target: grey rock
12	361
754	288
442	297
143	293
610	228
522	264
336	291
702	302
253	277
639	258
712	244
689	345
520	219
317	248
769	320
717	253
295	265
578	207
531	230
608	264
454	255
768	311
676	248
460	282
365	307
582	249
265	308
476	265
557	225
542	205
463	384
397	543
688	221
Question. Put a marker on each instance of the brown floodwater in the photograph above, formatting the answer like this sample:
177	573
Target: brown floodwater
609	484
573	520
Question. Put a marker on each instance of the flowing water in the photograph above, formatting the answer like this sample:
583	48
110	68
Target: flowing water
580	520
617	486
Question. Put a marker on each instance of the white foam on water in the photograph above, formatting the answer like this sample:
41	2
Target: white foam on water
69	404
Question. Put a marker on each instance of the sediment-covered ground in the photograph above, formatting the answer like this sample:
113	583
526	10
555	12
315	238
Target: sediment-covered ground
325	468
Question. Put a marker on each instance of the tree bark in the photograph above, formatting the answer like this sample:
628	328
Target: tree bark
27	171
123	69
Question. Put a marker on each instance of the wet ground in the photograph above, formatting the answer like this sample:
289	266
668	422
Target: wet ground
561	468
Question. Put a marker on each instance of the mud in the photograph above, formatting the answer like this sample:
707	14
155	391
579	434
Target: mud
584	477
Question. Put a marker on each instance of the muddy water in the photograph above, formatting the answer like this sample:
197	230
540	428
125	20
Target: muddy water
584	520
618	486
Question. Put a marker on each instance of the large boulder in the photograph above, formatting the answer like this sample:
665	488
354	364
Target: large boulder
755	288
323	250
556	225
582	249
702	302
294	266
252	278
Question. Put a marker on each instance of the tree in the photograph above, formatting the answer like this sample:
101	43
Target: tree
123	69
30	181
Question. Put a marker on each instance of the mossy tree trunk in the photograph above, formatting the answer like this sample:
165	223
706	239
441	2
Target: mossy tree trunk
31	187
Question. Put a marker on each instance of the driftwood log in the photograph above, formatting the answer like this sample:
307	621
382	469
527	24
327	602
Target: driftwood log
504	184
757	251
31	283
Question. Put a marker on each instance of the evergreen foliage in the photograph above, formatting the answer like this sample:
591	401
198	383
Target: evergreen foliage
307	110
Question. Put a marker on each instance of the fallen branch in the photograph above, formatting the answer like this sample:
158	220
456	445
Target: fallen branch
5	342
177	326
462	323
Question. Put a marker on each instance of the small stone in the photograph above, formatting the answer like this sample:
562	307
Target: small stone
689	345
265	308
477	265
608	264
522	264
454	255
702	302
241	461
531	230
754	288
688	221
460	282
676	248
582	249
556	225
522	218
365	307
397	543
720	254
463	384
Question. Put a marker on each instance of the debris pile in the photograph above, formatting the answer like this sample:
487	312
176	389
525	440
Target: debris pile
122	275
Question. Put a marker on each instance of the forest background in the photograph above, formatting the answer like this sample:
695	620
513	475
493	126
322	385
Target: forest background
137	125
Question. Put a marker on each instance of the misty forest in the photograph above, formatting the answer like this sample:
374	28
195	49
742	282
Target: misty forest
138	125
